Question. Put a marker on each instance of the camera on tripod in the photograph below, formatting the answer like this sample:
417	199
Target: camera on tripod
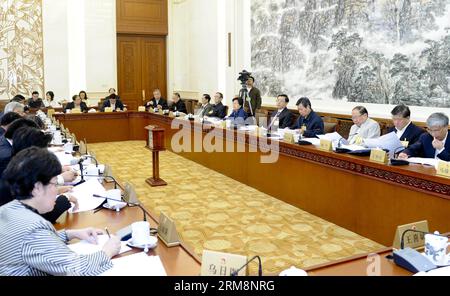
244	76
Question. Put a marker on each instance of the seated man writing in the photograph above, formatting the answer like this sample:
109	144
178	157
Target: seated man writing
435	143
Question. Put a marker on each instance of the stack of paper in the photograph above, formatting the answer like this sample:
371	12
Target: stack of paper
85	195
85	248
64	158
139	264
389	142
425	161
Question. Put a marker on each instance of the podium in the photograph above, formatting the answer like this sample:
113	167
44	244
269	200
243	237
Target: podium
155	142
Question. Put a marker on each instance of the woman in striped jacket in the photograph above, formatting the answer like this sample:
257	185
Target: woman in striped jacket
29	244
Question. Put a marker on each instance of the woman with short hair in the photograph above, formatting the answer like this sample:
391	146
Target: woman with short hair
30	244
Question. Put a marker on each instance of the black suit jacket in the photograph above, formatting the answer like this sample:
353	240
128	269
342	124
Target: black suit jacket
5	154
35	104
107	104
424	148
411	134
284	119
84	108
219	111
179	106
153	104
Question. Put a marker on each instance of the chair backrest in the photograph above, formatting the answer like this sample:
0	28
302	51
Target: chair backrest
226	110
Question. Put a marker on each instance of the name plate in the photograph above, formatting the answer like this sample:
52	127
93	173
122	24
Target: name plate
411	239
141	109
289	138
76	111
108	110
443	169
326	145
222	264
167	231
378	155
50	112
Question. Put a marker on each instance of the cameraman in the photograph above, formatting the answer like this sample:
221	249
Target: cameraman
254	95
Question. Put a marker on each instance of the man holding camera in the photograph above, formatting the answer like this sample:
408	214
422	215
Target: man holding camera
253	102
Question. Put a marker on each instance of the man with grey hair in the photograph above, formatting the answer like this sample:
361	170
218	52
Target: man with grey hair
14	107
435	143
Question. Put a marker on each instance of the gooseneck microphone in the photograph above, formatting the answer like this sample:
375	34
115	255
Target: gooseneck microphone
144	211
235	273
402	240
105	177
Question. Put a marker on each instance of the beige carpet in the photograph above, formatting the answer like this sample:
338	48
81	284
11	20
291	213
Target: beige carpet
218	213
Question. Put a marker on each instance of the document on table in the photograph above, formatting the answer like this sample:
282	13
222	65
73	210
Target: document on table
64	158
426	161
139	264
314	141
85	195
84	247
353	147
333	137
389	142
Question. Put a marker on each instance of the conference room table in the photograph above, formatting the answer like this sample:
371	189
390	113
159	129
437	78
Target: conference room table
177	261
365	197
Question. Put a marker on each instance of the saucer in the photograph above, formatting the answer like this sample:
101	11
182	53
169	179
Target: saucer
153	241
116	207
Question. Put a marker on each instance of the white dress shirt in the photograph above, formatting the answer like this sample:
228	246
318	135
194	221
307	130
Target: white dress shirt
370	129
400	133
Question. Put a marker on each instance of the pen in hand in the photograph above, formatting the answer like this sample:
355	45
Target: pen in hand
107	232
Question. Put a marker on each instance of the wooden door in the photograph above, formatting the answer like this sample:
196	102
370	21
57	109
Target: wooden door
141	66
129	70
153	66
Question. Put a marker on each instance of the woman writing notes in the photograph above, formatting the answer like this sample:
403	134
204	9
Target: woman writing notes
30	244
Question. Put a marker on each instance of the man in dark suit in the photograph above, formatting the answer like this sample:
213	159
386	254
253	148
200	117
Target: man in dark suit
114	103
435	143
309	123
254	95
157	102
76	103
406	131
206	107
35	101
282	117
219	110
178	104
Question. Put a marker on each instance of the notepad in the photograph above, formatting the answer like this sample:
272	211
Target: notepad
84	247
139	264
85	195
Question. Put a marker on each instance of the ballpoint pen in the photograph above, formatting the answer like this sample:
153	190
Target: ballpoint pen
107	232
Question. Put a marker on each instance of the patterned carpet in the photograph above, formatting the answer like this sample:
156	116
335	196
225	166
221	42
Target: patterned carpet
217	213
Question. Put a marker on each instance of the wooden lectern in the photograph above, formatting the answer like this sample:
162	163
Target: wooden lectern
155	142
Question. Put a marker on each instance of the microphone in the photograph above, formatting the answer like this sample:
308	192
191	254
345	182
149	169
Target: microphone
402	242
144	211
236	272
105	177
90	157
395	160
397	151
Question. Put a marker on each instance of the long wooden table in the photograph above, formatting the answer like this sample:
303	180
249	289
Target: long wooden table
177	261
368	198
